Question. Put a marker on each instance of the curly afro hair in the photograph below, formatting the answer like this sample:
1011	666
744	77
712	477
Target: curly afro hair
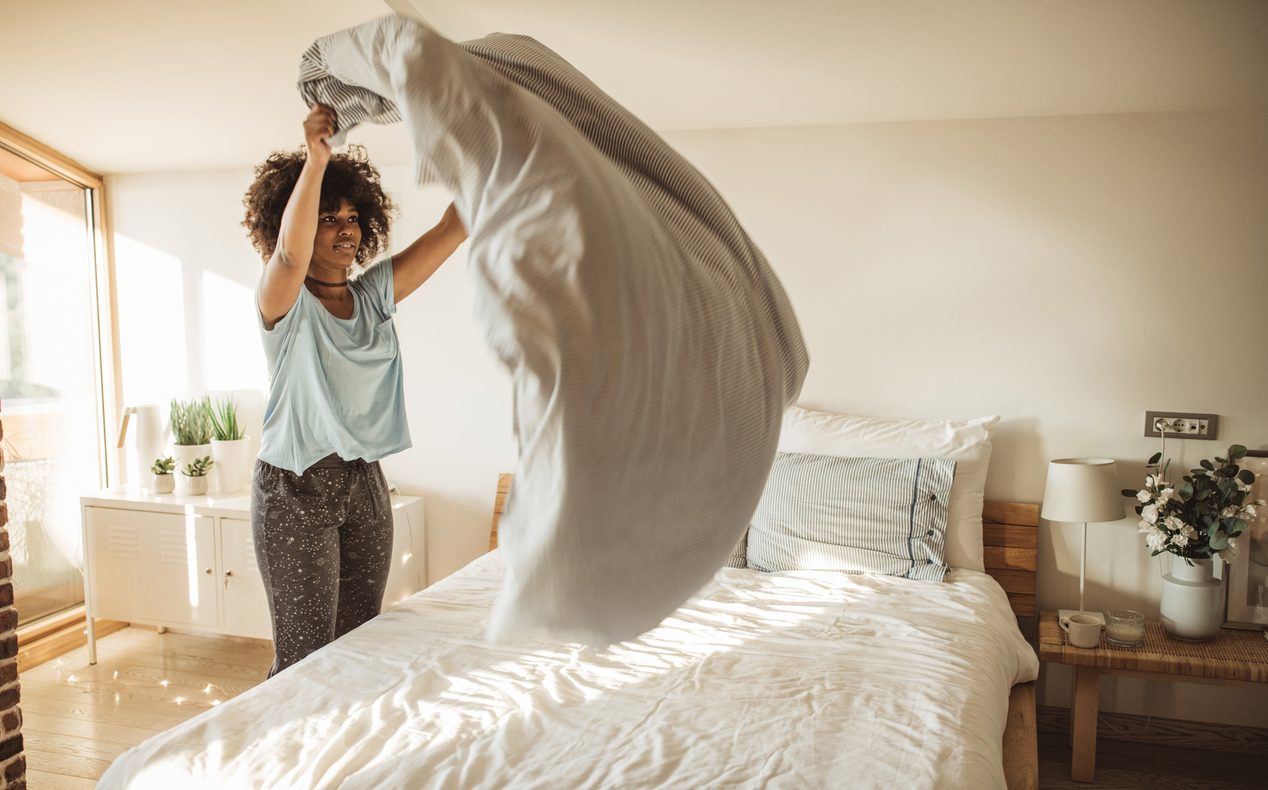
349	176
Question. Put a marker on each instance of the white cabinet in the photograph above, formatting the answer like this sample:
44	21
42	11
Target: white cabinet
243	600
158	567
189	562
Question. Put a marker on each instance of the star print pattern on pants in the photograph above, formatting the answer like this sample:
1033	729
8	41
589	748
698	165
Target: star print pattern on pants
323	542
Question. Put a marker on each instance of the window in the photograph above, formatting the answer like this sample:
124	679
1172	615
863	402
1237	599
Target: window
51	395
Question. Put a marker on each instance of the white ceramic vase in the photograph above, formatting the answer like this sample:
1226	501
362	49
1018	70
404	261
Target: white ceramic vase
187	454
232	471
1192	600
195	486
162	484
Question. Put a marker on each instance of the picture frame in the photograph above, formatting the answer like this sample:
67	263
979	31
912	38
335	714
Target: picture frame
1246	605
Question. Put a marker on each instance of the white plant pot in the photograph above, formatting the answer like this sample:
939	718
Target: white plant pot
195	486
162	484
1192	600
232	471
187	454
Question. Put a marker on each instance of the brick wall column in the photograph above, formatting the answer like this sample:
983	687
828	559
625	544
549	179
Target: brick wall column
12	762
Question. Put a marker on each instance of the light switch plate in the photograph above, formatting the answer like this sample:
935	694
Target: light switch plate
1182	424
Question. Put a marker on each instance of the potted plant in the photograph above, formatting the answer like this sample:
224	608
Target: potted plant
191	434
229	446
195	474
163	482
1195	523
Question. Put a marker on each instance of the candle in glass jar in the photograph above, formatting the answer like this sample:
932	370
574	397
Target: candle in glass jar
1124	628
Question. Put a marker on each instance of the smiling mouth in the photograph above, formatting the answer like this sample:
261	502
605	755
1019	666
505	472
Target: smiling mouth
346	246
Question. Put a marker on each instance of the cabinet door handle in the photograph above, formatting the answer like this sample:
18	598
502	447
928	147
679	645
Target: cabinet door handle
208	571
227	575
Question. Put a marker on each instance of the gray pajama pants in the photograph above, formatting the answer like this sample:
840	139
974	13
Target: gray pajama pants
323	541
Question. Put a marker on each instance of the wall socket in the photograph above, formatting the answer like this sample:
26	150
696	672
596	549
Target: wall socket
1182	424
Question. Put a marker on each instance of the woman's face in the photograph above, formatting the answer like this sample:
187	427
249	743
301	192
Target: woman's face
338	237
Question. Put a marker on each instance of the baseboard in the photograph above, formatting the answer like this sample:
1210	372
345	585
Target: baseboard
1164	732
49	644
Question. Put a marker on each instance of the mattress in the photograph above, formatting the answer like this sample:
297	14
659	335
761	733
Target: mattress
798	679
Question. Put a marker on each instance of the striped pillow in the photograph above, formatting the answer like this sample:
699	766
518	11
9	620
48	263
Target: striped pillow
858	515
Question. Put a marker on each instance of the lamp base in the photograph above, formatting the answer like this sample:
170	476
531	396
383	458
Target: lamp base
1067	612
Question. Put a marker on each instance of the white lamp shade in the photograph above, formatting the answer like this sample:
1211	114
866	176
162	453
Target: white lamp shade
1082	490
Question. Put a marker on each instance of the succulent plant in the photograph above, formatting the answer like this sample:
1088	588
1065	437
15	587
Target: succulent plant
199	467
163	466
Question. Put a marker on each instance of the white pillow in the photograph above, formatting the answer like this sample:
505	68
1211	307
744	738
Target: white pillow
967	442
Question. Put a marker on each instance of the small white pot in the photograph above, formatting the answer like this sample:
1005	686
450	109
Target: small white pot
232	471
162	484
195	486
1192	603
186	454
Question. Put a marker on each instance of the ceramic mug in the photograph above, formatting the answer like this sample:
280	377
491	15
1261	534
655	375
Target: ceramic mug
1084	630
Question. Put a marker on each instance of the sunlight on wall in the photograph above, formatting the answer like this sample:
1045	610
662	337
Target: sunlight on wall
151	323
233	357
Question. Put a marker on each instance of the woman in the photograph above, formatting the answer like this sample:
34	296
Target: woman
321	517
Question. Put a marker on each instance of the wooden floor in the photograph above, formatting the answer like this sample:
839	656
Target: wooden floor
78	718
1122	764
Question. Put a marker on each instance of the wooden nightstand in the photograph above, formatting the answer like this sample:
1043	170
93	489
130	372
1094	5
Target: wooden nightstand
1230	658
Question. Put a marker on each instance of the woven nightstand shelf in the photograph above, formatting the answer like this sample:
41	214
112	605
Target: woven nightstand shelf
1232	657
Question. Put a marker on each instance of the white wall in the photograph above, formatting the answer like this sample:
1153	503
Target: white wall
1067	273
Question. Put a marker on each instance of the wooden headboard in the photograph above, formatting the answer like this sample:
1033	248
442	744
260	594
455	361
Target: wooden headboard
1010	534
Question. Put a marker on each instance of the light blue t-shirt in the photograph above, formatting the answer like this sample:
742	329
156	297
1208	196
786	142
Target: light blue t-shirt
335	384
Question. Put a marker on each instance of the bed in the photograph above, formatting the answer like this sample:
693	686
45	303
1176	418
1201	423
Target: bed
799	679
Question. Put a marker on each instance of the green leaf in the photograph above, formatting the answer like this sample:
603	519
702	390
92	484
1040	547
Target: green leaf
1236	451
1129	493
1186	490
1206	464
1218	540
1153	459
1246	476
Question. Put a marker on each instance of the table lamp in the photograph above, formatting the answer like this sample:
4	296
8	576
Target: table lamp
1082	490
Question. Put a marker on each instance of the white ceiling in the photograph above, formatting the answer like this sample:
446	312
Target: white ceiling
146	85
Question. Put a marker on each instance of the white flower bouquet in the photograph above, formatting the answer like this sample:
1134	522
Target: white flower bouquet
1203	517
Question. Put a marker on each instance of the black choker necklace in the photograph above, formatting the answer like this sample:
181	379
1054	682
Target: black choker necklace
328	285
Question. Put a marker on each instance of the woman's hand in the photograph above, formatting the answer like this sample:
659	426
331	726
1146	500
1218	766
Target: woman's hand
319	125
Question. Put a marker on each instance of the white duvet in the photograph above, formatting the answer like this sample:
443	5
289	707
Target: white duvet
804	679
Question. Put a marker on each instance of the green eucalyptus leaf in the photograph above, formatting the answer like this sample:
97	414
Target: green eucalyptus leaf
1236	451
1153	459
1205	464
1246	476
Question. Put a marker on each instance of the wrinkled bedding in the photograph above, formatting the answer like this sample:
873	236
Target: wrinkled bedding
801	679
